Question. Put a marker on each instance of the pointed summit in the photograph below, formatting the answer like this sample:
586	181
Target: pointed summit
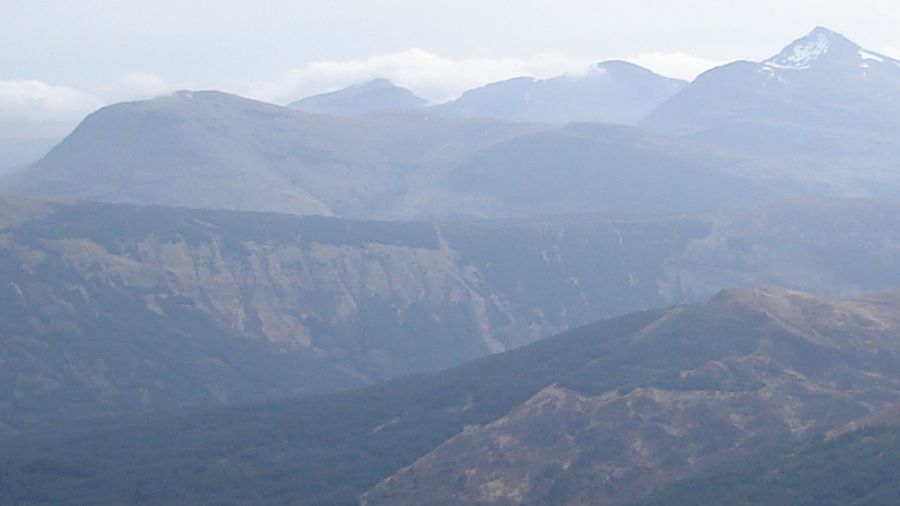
377	95
823	31
803	52
821	47
823	103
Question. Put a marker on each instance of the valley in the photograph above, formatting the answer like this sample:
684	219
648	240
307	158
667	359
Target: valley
410	278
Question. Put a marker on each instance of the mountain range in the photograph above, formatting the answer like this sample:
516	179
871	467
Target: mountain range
820	118
213	150
376	96
609	288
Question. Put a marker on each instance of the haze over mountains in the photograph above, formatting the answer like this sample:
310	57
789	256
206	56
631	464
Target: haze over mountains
819	118
208	299
17	153
609	92
214	150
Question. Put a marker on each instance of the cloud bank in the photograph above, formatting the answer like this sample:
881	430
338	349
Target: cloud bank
431	76
31	108
678	64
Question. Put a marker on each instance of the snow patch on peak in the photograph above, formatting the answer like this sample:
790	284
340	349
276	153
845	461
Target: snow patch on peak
865	55
803	52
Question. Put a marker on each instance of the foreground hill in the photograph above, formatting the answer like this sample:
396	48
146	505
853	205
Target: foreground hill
213	150
824	103
114	308
610	92
602	414
856	469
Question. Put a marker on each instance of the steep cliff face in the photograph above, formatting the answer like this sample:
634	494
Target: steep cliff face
144	308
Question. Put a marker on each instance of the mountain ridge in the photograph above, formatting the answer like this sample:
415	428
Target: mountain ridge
220	151
370	97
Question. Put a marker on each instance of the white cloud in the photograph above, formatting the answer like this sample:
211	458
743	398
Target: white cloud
136	87
678	64
432	76
30	108
437	78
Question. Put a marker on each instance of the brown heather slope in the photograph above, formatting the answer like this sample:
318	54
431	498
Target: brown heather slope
802	367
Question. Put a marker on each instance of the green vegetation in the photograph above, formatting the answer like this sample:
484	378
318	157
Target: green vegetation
857	469
328	450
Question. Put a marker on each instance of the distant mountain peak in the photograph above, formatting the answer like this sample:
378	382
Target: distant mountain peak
379	82
374	96
612	91
204	95
821	30
803	52
823	45
621	65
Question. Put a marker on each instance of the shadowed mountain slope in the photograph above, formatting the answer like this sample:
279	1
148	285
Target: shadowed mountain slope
213	150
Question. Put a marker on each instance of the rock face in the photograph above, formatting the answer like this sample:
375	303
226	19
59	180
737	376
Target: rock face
610	92
795	366
824	104
113	308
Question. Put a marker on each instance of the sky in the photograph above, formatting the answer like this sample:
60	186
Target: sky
61	59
